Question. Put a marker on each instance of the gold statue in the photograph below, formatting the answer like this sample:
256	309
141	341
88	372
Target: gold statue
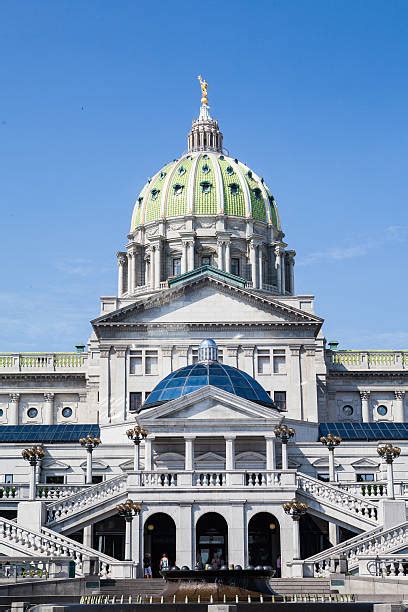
203	85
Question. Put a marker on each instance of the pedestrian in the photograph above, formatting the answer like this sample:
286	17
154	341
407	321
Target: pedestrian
147	566
278	566
164	563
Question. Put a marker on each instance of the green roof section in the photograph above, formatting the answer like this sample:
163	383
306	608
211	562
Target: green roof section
232	279
258	207
234	199
205	187
176	202
155	193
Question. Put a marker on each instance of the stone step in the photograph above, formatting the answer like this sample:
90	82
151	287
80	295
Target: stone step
137	586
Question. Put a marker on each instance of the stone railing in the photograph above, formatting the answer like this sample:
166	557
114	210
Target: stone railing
219	478
366	489
91	496
377	542
52	492
367	360
19	569
386	566
10	492
331	494
47	362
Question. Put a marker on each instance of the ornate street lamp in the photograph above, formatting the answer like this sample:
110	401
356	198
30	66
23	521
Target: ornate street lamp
90	443
295	509
331	442
33	455
136	434
284	433
388	452
128	510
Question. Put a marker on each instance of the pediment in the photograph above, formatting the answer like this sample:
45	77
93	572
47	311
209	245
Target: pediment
97	464
323	462
209	457
207	300
365	463
51	464
211	404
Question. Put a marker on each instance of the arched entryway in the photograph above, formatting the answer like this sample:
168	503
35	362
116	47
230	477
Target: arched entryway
160	537
212	540
264	541
109	536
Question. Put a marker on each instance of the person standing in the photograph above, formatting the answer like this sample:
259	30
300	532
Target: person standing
147	566
164	563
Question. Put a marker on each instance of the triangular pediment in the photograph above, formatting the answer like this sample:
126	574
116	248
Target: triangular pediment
323	462
210	404
365	463
97	464
205	300
51	464
209	457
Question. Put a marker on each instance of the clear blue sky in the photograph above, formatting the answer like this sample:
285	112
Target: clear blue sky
96	95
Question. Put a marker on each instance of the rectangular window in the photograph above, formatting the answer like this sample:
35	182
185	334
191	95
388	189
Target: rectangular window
8	479
147	393
135	401
96	479
151	362
264	361
54	479
323	477
279	361
220	355
194	355
365	477
235	266
136	362
279	397
206	261
176	266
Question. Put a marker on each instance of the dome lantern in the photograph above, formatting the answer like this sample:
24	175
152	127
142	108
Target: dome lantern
205	134
208	351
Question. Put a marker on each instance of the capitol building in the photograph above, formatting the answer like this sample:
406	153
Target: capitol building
207	417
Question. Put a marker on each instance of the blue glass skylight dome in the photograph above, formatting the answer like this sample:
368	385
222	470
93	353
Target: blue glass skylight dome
208	371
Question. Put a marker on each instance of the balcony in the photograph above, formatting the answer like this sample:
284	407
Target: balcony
366	360
213	479
43	362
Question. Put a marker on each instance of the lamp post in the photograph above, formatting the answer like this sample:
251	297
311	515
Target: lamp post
295	509
136	434
388	452
331	442
90	443
33	455
128	510
284	433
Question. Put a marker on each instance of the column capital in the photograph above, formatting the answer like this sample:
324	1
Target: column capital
248	350
49	397
189	436
270	436
399	394
167	351
120	351
295	349
230	436
121	257
365	395
14	397
104	352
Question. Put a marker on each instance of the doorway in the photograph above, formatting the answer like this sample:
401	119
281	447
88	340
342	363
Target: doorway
264	541
212	540
160	537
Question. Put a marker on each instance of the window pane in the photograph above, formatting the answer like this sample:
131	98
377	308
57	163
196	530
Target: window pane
8	479
279	397
135	400
151	362
279	361
194	356
136	362
176	267
54	480
263	361
235	266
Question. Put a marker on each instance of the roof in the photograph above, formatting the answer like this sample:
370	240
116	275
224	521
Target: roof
193	377
380	431
205	184
47	434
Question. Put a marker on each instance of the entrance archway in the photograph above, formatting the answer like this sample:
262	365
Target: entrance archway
109	536
264	541
160	537
212	540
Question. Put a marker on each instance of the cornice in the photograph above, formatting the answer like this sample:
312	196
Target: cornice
43	376
367	374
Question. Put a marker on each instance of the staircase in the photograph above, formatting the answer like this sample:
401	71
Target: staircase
138	586
86	505
378	541
298	586
16	540
327	500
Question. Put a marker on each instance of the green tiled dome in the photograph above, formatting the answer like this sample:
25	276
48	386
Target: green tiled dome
203	184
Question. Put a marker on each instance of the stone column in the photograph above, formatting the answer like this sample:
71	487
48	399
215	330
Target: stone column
189	452
296	538
135	547
148	453
229	452
220	254
399	406
249	359
252	259
33	480
260	267
136	457
283	272
390	480
48	408
88	474
333	534
12	417
88	539
157	265
237	534
121	263
332	471
184	248
131	272
184	537
365	408
291	262
278	267
228	256
128	538
190	255
284	455
270	441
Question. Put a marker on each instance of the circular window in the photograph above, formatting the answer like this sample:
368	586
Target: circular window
67	412
32	413
348	410
1	412
382	410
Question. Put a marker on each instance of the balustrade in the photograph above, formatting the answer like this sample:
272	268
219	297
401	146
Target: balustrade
42	361
47	491
217	478
366	360
384	565
366	489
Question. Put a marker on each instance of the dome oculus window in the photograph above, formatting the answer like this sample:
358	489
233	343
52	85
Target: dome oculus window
178	189
205	156
234	188
249	174
181	170
348	410
32	413
382	410
257	193
155	193
205	187
222	157
66	412
229	170
162	175
205	169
